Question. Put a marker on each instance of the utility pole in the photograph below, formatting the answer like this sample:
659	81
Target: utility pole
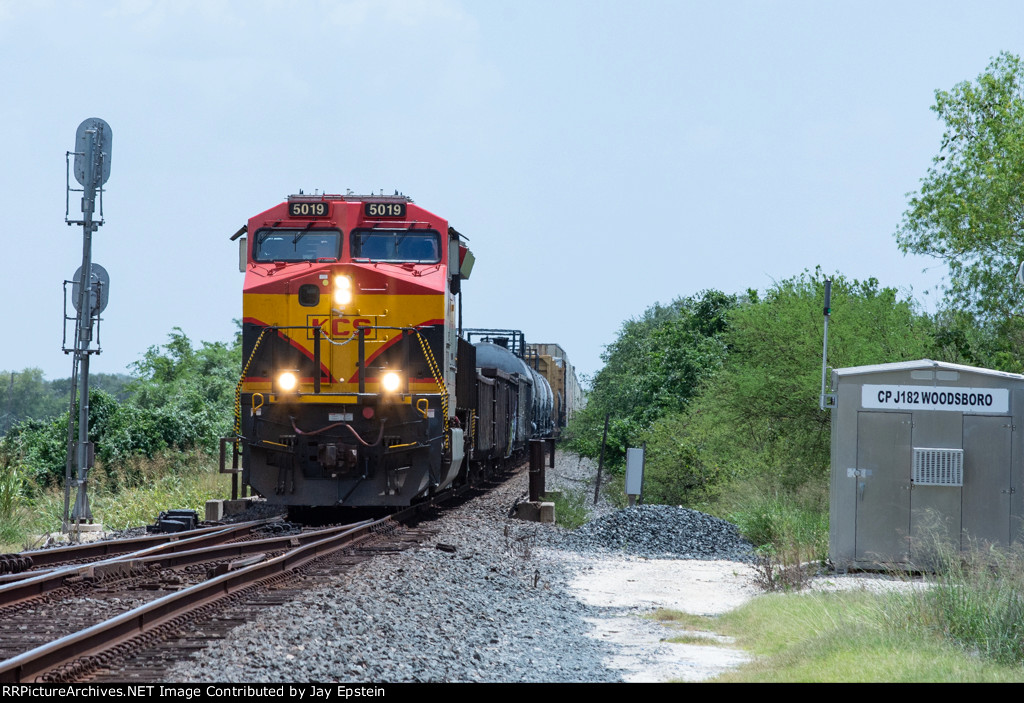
826	400
89	295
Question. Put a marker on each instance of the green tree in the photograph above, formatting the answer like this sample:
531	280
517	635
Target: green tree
759	415
180	396
960	338
653	368
176	368
26	394
112	383
970	209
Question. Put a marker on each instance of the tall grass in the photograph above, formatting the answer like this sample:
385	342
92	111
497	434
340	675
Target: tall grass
844	637
140	505
975	599
778	521
12	482
170	480
791	536
12	486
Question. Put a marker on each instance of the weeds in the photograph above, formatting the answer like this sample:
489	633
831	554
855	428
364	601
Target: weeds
170	480
791	539
12	483
975	599
519	545
788	569
681	620
570	508
693	638
686	627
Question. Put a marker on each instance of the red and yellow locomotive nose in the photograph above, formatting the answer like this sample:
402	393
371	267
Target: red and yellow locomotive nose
350	341
325	270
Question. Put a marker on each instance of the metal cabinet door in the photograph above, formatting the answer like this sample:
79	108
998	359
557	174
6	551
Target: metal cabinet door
986	491
883	486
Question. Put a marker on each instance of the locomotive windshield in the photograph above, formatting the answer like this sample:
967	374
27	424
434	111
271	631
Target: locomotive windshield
406	246
297	245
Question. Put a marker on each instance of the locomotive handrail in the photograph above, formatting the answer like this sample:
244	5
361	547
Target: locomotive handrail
368	327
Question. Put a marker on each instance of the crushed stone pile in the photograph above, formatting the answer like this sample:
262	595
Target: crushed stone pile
662	532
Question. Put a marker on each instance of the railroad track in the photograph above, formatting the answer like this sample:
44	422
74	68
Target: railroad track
136	608
50	567
150	662
64	623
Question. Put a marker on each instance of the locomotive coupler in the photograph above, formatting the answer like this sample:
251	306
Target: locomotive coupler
338	454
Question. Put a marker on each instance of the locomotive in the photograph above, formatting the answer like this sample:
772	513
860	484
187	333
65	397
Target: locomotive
357	388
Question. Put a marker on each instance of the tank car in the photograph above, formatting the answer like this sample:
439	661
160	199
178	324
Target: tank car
357	389
552	362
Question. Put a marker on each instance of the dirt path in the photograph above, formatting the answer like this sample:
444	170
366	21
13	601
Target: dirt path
631	588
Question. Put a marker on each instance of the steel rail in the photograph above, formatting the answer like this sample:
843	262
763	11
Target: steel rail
109	547
234	549
20	587
103	636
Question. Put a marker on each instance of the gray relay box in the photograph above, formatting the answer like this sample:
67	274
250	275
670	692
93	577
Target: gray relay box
923	451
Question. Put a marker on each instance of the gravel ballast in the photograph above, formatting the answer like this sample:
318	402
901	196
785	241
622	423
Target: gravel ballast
497	609
661	532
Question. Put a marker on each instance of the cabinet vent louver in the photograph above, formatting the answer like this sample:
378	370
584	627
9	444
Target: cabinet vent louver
938	467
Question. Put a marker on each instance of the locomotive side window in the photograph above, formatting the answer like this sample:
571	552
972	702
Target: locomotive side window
297	245
406	246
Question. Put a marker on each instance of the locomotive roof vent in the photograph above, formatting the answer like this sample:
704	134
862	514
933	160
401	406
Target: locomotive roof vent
376	197
350	197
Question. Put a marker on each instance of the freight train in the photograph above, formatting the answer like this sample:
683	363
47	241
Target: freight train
359	387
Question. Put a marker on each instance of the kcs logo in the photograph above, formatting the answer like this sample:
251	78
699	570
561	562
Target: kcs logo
342	327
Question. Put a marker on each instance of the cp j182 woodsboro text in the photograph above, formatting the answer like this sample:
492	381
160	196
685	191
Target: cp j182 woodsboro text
948	398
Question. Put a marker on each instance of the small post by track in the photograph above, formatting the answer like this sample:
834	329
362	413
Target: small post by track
600	462
537	447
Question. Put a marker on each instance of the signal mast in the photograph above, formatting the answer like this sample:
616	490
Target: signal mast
89	295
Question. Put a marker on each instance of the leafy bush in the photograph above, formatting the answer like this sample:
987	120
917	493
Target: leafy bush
41	447
179	398
679	468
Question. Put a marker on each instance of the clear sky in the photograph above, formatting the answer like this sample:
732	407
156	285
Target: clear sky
600	155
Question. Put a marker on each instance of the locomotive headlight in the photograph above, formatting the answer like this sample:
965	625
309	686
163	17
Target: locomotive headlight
342	290
390	381
287	381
